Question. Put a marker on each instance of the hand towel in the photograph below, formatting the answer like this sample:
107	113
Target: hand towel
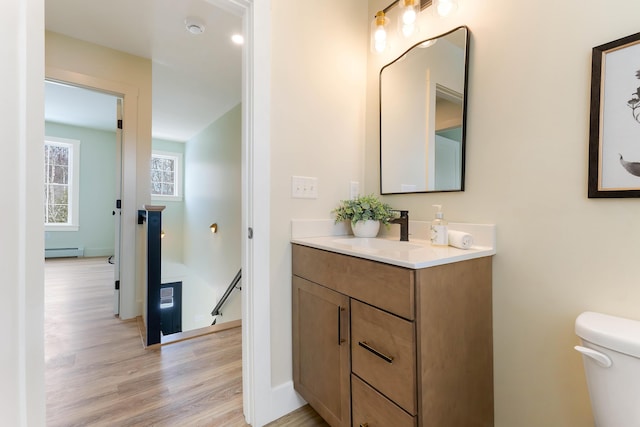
459	239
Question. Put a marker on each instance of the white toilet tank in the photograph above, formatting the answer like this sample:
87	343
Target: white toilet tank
611	355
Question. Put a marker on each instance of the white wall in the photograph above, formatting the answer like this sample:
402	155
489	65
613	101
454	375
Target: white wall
559	253
21	218
212	195
317	120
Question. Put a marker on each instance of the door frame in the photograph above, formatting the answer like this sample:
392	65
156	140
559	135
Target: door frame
258	398
129	94
263	402
117	209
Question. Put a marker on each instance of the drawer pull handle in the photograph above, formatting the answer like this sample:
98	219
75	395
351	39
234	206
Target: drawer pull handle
383	356
364	425
340	339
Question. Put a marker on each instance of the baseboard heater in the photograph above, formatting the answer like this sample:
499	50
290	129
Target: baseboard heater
63	252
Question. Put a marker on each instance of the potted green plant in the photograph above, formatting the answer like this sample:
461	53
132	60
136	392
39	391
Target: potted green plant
365	214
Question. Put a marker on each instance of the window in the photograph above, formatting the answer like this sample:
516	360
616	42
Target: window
166	173
61	170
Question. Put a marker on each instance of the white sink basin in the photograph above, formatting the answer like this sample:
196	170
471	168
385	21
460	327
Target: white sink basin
415	254
376	245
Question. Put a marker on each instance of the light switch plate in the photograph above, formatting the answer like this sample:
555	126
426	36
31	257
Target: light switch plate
304	187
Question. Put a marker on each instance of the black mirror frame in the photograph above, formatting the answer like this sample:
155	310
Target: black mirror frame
464	111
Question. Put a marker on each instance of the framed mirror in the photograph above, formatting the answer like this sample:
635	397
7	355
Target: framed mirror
423	116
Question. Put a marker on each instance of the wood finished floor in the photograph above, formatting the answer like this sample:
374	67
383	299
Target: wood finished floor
99	374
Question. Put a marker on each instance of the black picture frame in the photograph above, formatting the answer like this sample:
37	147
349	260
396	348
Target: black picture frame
614	130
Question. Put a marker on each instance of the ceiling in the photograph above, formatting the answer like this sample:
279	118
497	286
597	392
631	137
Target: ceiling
196	78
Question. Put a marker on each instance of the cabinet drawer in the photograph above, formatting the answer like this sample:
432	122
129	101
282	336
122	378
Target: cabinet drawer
386	286
383	353
370	408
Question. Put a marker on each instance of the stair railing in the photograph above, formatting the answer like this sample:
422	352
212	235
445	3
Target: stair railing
230	288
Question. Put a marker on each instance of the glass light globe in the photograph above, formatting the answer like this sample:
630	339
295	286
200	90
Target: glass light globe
379	32
446	7
409	16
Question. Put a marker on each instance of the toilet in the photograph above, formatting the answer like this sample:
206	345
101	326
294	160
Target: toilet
611	354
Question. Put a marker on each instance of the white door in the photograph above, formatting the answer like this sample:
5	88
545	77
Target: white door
117	212
448	164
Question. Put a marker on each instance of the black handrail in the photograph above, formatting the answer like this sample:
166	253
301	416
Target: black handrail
232	286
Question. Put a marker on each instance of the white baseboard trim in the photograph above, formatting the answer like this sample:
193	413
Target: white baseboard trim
284	400
98	252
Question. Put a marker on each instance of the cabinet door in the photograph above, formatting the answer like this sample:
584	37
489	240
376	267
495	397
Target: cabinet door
321	350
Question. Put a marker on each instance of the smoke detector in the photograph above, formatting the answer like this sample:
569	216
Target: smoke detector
194	25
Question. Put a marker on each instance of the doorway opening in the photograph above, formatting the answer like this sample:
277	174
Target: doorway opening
83	169
255	190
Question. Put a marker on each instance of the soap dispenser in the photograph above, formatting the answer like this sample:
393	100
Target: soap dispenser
439	229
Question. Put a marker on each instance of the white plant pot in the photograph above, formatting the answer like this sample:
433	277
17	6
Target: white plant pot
368	228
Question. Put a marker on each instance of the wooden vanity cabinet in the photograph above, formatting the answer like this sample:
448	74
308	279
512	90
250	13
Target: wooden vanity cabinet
380	345
321	350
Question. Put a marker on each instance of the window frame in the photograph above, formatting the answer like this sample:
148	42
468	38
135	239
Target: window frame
73	223
177	175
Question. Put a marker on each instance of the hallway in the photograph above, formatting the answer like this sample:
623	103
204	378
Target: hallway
98	373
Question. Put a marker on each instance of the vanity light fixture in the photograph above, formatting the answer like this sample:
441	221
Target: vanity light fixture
214	227
445	7
407	17
379	32
408	11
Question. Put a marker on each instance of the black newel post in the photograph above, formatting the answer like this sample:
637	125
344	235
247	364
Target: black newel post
154	254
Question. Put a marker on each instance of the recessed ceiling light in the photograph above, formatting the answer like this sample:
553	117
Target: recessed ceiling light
194	25
237	38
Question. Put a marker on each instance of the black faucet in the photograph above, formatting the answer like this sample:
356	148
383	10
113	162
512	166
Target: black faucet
403	220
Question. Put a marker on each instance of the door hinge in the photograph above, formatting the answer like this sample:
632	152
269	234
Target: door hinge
117	284
118	204
119	123
250	231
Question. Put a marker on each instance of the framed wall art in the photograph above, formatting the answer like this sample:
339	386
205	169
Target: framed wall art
614	134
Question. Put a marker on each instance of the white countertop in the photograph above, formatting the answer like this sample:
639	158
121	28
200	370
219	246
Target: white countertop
414	254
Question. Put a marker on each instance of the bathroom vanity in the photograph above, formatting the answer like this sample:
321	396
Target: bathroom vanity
386	338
